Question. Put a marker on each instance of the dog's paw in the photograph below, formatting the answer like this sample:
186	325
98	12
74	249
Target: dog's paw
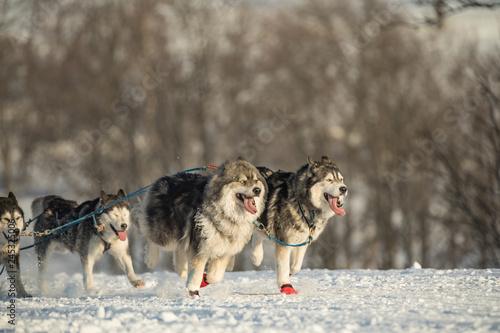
94	291
287	289
138	283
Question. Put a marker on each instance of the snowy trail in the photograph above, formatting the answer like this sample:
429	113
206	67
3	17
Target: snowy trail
423	300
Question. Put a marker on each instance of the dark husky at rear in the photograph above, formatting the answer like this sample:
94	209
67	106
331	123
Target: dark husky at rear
84	238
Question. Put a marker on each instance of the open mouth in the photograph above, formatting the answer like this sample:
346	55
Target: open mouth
248	202
12	238
121	234
335	204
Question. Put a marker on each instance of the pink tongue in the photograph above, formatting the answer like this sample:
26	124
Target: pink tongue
333	205
249	206
122	235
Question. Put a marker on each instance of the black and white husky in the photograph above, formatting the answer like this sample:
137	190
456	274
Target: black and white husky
11	224
84	238
299	205
204	219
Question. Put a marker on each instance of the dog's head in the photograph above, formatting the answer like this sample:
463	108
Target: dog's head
243	188
11	220
328	190
116	218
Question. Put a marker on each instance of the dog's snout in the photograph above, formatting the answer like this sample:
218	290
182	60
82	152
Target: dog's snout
124	226
343	189
257	190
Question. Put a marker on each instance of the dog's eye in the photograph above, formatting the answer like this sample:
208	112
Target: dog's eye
329	180
243	182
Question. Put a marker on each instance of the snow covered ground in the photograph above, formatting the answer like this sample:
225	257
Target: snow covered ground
413	300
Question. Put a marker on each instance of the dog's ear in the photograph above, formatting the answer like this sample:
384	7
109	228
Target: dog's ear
310	161
121	194
326	159
241	158
103	195
265	172
12	197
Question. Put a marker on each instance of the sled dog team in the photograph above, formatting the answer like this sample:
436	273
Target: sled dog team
204	220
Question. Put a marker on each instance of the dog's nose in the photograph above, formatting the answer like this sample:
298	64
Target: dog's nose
16	231
343	189
257	190
124	226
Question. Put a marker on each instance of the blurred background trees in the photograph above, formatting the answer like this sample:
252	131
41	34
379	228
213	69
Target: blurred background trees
111	94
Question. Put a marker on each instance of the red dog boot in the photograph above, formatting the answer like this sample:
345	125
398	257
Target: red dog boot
204	282
288	289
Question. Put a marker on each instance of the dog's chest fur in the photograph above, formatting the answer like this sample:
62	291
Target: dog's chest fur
283	217
221	236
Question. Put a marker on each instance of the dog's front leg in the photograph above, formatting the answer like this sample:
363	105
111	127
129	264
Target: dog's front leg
298	254
88	255
120	251
20	291
88	267
181	262
196	268
283	269
44	252
152	254
217	269
257	248
230	264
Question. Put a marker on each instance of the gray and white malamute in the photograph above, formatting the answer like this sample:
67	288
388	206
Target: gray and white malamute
11	225
84	238
298	205
204	219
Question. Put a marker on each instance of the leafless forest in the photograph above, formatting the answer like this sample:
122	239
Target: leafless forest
113	94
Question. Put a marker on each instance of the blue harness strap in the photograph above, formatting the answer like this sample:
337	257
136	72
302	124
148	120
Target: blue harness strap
65	227
261	227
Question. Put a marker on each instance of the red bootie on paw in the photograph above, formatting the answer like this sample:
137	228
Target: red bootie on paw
204	282
288	289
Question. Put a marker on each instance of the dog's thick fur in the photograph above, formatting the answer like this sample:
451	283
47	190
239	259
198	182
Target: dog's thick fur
320	189
202	218
11	225
84	238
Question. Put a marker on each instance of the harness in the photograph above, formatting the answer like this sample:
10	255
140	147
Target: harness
310	224
99	229
52	233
